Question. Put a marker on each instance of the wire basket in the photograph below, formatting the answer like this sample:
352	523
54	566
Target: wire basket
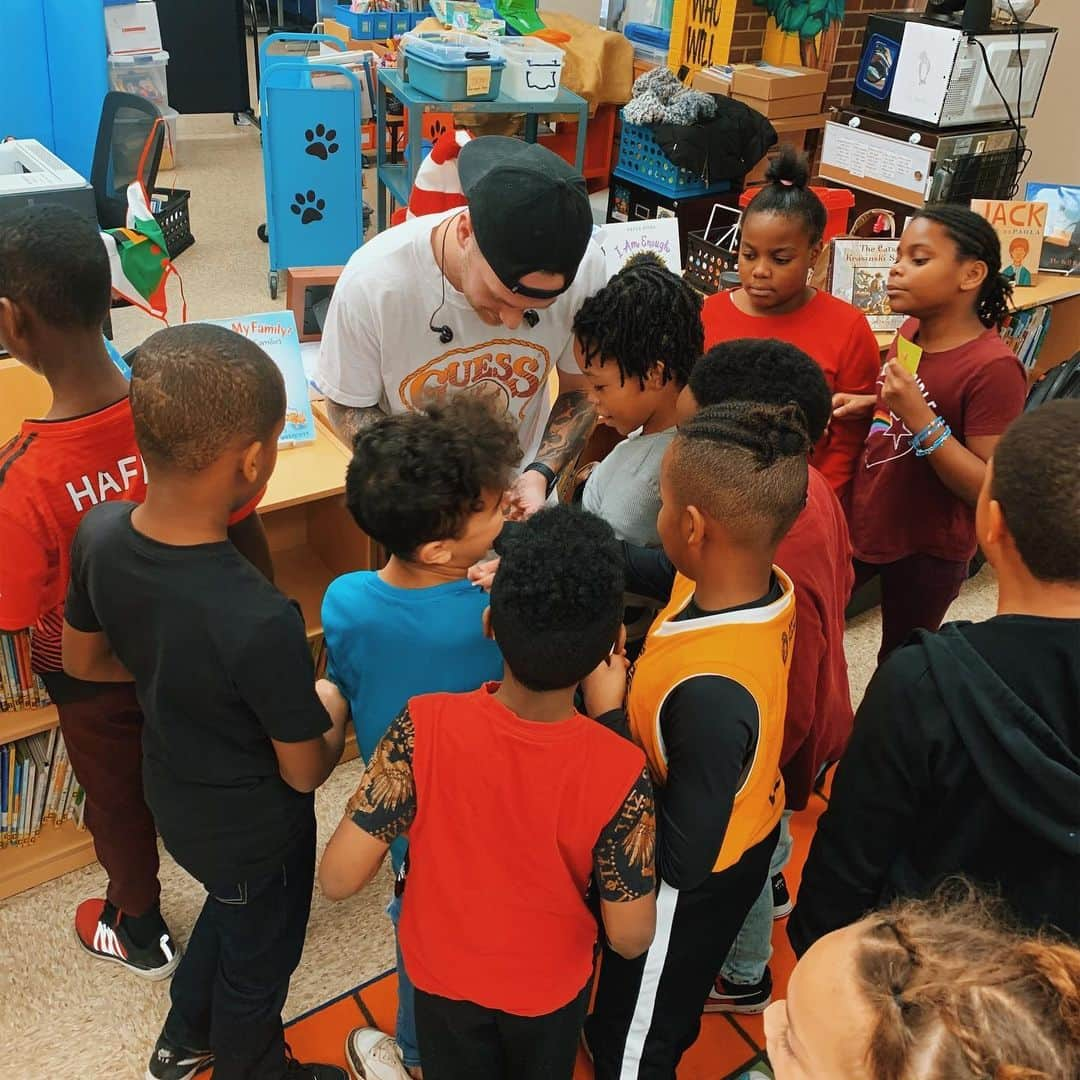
643	159
174	219
711	253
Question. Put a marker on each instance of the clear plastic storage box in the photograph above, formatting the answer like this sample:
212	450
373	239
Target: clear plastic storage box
142	74
533	68
451	66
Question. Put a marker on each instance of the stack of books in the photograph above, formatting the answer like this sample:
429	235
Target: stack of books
37	786
20	688
1024	332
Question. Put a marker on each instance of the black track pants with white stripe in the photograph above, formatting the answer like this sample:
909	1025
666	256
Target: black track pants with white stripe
648	1011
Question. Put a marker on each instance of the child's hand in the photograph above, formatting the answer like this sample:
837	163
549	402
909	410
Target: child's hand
528	495
333	702
905	399
605	687
852	406
482	574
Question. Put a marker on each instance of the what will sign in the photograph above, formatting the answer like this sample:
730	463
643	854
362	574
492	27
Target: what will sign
700	34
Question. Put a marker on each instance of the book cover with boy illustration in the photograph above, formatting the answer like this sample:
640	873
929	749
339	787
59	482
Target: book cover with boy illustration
1020	227
859	274
1061	238
275	333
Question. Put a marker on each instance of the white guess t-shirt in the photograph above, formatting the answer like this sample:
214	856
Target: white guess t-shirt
377	347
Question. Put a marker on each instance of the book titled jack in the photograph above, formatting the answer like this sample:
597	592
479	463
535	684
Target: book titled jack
1020	227
859	274
275	333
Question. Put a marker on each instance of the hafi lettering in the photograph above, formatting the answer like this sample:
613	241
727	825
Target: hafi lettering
88	491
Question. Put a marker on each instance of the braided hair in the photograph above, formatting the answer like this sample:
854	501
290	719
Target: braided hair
956	994
643	316
744	463
785	192
975	238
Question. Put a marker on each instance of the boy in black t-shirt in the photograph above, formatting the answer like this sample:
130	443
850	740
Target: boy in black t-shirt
237	734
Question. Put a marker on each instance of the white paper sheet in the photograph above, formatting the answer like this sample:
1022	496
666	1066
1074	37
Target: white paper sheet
922	72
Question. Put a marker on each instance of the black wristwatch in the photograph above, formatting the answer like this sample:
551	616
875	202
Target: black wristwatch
545	471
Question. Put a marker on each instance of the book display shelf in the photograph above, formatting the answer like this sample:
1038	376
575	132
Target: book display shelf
312	538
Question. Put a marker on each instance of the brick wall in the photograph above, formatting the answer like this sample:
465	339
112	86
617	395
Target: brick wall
749	34
839	90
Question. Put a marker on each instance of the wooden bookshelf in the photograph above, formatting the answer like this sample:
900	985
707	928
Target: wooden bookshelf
312	537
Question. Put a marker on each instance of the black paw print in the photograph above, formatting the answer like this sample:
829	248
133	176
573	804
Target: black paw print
437	128
308	207
320	142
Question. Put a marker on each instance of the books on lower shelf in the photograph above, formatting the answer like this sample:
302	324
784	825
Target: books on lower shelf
20	688
37	787
1024	332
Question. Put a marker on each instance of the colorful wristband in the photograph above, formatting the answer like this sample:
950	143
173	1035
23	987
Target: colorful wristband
930	429
926	451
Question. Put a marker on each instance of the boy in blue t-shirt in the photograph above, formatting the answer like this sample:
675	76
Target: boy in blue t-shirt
429	487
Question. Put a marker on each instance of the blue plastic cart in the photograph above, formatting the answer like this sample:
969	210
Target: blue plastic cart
311	157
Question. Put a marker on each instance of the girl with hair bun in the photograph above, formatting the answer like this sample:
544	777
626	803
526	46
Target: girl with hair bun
935	420
781	239
929	990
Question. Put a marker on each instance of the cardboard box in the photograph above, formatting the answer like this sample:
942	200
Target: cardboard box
711	82
770	82
133	28
782	108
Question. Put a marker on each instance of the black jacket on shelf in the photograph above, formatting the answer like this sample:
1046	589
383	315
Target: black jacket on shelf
965	759
724	148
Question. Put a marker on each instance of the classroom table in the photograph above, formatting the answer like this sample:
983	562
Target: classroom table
397	180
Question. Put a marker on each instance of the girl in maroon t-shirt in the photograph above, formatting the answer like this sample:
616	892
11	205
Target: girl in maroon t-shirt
942	404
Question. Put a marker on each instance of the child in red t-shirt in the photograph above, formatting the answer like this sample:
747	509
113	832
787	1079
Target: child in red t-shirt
781	239
55	289
936	419
513	802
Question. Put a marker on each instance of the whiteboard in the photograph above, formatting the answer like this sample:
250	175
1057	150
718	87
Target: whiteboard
875	159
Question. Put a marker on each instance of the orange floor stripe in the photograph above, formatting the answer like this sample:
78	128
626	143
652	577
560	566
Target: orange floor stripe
726	1048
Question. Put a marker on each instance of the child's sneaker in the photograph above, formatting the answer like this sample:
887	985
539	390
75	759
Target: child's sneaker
169	1062
374	1055
781	898
101	931
729	997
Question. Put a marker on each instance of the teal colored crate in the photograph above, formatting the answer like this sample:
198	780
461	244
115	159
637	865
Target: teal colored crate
401	22
641	158
366	25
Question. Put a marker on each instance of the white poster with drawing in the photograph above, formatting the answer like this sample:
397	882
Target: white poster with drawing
926	59
624	242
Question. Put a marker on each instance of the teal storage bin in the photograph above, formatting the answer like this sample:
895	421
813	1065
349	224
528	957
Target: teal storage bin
367	25
401	22
442	63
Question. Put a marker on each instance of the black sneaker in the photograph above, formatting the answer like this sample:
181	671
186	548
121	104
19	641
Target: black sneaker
781	898
312	1070
729	997
169	1062
101	932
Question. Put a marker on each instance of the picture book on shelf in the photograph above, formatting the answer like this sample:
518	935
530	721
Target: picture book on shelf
1020	227
859	274
1061	239
624	241
275	333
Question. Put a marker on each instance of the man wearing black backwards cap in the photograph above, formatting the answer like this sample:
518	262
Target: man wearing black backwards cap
477	299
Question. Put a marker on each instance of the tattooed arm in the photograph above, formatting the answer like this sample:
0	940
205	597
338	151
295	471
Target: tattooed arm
572	419
348	421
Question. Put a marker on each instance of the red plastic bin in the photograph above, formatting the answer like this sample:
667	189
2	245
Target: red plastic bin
838	203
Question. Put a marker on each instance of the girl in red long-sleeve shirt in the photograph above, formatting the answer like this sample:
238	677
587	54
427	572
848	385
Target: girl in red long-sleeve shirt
781	239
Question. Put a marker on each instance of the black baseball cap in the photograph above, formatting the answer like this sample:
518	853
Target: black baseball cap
529	210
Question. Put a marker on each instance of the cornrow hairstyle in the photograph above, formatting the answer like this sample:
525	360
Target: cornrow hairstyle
53	260
744	464
1036	479
956	995
419	476
643	316
975	238
766	370
785	192
196	390
557	600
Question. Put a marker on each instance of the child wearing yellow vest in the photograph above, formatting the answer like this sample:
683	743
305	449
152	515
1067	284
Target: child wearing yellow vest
706	702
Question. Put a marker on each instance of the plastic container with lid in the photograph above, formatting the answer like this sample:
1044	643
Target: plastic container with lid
838	203
142	74
533	69
448	65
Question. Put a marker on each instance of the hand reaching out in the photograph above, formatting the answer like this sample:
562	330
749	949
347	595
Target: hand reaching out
852	406
605	687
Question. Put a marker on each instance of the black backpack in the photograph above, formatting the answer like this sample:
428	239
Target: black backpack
1062	381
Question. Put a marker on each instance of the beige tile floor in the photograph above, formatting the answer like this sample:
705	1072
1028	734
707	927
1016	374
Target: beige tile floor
65	1016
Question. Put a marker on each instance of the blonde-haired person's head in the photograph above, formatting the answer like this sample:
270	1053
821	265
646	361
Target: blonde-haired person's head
930	990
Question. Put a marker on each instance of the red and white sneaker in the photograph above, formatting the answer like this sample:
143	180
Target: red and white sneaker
99	926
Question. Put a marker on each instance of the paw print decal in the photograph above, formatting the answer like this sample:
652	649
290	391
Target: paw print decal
320	142
437	128
309	207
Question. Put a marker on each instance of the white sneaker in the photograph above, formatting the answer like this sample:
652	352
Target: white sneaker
374	1055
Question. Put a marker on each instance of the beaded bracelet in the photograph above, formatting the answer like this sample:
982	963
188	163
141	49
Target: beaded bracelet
930	429
926	451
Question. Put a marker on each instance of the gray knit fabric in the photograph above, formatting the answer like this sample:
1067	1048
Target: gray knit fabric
659	98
